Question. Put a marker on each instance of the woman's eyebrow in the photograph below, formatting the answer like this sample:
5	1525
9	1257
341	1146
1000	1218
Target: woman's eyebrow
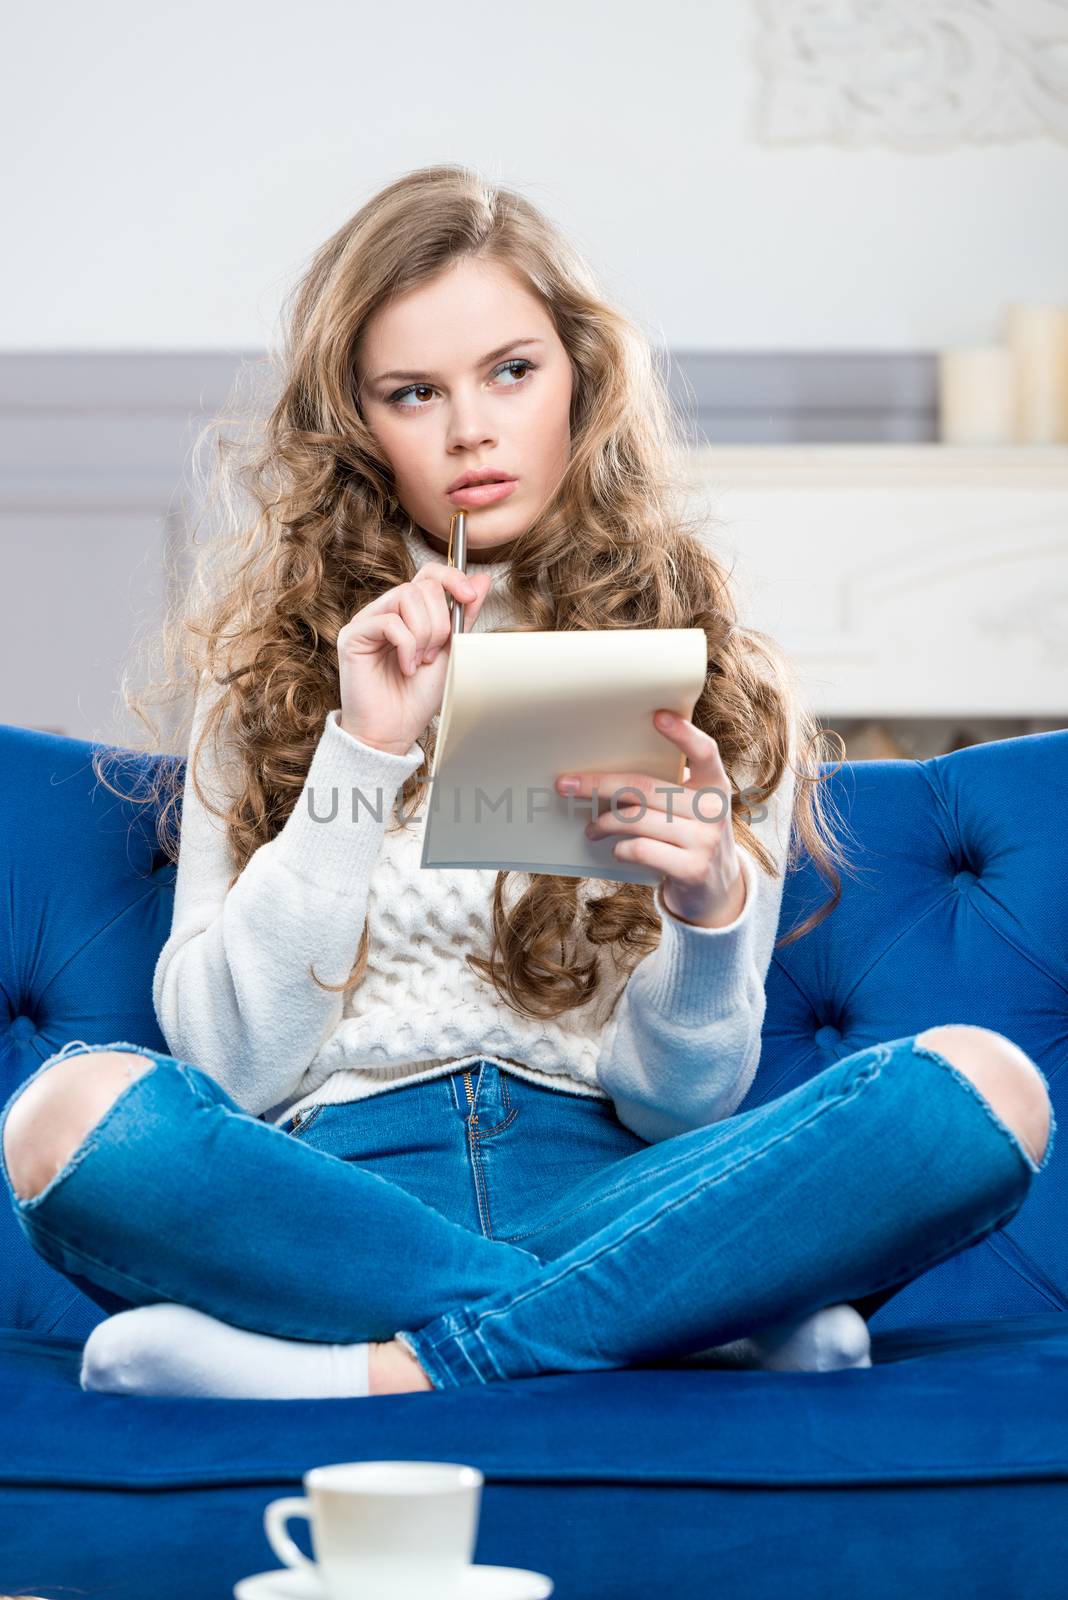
492	356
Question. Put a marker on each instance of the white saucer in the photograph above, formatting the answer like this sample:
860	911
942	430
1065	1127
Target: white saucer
480	1583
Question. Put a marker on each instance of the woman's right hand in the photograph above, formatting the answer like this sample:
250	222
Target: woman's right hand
394	653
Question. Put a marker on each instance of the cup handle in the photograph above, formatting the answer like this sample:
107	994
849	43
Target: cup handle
275	1517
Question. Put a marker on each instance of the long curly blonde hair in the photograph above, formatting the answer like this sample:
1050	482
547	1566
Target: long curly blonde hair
321	536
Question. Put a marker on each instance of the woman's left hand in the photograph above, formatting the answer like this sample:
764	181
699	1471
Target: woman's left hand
687	836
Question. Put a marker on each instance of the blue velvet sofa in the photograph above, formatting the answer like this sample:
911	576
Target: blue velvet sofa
940	1471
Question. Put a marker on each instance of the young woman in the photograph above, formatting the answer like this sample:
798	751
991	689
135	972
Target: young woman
433	1128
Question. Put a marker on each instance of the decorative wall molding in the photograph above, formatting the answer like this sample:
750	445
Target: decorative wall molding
919	76
1039	617
918	582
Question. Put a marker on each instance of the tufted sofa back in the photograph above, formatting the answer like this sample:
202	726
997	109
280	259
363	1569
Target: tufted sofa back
955	910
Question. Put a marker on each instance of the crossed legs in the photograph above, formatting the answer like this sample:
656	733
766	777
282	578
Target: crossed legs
56	1113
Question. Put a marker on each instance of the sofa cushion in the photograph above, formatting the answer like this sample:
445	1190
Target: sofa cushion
721	1481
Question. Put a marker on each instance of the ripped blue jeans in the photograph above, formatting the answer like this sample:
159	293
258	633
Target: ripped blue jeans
499	1229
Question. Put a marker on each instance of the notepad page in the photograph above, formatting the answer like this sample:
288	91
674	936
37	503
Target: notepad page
518	709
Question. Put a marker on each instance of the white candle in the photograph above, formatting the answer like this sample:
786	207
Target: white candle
1038	337
977	395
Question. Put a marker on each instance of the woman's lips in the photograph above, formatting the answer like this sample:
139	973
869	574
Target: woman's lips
483	494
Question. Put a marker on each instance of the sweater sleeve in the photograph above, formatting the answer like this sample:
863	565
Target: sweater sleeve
682	1046
232	989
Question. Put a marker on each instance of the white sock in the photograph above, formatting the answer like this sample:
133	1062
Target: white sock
172	1349
827	1340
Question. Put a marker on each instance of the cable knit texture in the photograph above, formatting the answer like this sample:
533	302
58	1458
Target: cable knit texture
233	994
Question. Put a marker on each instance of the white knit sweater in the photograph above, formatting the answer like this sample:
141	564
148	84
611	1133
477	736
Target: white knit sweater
233	995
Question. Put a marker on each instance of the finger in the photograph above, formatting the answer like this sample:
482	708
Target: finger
442	583
413	607
621	787
666	858
455	582
388	628
702	802
435	596
471	608
627	822
483	583
393	628
708	802
700	749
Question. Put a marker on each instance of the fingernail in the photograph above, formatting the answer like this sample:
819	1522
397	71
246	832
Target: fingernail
568	785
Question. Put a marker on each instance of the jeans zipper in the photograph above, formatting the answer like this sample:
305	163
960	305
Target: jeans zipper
476	1162
299	1118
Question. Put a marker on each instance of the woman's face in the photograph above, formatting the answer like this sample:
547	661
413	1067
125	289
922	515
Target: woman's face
440	405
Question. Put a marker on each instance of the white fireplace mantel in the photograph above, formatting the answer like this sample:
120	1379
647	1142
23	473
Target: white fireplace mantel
902	580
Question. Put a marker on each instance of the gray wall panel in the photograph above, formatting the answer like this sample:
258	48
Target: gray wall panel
96	487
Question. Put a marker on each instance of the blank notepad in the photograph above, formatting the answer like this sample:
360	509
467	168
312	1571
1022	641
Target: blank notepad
519	709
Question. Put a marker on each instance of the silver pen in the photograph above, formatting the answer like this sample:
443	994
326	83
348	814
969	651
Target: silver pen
458	559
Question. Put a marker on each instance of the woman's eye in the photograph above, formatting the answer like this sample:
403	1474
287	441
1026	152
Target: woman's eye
397	400
517	361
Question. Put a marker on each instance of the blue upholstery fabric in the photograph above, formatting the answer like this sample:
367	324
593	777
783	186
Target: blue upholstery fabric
941	1471
956	910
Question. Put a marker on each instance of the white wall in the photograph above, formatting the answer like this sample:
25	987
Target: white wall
169	169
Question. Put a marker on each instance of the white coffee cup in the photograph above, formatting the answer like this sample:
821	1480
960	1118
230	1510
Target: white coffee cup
384	1530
